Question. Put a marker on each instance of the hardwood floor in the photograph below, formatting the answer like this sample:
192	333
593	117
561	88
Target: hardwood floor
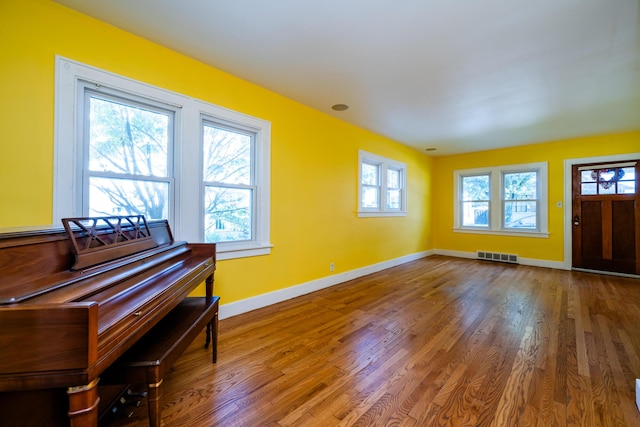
438	341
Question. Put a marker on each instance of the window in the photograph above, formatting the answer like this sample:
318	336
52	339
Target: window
229	184
502	200
127	162
124	147
476	190
382	186
520	200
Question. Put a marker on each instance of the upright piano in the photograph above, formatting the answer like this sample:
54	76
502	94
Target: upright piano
74	299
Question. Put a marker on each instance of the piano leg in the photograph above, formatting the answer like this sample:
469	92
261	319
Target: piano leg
154	402
209	295
83	405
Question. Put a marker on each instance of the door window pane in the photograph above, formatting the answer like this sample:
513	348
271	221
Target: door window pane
589	189
615	180
606	188
626	187
587	176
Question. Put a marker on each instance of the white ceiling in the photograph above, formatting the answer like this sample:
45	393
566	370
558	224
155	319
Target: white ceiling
456	75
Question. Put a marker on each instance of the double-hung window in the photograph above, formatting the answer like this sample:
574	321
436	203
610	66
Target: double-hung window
127	154
502	200
476	199
124	147
382	189
229	183
520	200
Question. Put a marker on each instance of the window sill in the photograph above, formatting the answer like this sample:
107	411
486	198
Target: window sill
371	214
244	251
534	234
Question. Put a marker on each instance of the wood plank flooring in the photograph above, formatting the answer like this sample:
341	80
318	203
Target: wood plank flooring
435	342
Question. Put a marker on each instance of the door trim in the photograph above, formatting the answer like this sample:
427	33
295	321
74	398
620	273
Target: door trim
568	165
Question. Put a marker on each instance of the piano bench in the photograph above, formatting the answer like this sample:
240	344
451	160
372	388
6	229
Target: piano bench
154	354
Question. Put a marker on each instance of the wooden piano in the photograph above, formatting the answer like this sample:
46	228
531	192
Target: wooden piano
73	300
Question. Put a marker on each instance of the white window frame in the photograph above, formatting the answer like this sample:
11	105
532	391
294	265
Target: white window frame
259	175
84	92
496	200
187	221
384	165
489	213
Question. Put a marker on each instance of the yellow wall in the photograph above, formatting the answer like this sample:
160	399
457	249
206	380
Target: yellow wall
555	153
314	156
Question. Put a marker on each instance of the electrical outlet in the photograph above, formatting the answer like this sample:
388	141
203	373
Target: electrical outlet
332	267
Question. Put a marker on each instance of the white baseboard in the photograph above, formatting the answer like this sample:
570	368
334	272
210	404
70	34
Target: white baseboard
259	301
560	265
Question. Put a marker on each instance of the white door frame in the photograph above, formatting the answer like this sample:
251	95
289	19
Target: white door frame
568	203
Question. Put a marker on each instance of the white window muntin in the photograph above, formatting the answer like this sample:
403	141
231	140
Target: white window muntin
384	164
496	212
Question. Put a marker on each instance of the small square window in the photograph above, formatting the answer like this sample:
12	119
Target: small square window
382	186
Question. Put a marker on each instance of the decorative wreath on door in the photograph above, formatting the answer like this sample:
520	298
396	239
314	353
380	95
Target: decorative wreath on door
607	177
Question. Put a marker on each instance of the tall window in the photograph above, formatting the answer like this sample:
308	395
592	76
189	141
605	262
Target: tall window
125	147
502	200
371	187
382	189
128	162
229	183
476	198
520	200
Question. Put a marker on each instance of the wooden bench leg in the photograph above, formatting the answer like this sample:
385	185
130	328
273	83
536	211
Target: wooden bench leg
155	404
212	331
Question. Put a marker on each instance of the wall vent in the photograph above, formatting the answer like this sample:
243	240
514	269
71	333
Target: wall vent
496	256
